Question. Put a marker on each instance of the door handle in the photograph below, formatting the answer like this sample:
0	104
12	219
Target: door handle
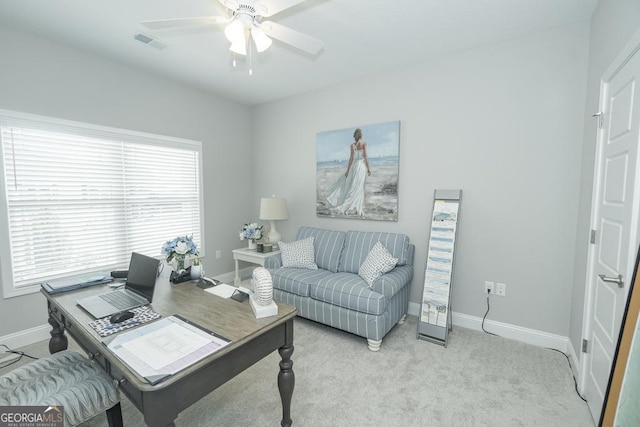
617	280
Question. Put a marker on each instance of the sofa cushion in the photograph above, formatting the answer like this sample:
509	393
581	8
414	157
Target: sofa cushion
296	280
378	262
298	254
349	291
328	245
359	243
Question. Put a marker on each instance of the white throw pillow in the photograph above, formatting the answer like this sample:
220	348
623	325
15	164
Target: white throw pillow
298	254
378	261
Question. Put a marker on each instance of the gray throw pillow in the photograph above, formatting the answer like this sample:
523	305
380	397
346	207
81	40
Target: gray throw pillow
298	254
378	261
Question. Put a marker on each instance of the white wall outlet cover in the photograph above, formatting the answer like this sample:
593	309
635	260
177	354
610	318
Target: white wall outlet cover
489	286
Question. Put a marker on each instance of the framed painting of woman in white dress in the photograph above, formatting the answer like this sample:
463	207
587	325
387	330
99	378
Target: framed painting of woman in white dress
357	172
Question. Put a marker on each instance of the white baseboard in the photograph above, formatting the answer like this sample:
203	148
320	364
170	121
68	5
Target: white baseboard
526	335
414	309
574	359
505	330
26	337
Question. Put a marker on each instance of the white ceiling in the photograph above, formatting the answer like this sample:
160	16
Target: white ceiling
360	37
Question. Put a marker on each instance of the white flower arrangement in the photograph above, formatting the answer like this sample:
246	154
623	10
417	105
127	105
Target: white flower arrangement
179	248
251	231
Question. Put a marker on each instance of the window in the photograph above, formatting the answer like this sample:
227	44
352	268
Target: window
79	198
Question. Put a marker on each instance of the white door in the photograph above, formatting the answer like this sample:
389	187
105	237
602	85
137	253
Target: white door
615	218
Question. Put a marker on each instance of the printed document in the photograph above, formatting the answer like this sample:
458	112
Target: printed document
222	290
159	349
167	345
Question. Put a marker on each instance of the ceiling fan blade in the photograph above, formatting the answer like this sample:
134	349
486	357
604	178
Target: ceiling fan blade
229	4
271	7
292	37
163	24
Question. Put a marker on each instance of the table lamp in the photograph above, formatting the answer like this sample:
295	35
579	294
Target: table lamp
273	209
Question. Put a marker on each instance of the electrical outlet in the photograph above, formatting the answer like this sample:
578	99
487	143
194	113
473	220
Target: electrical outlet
501	289
489	287
218	254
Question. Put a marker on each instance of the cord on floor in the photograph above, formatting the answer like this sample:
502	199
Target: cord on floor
19	353
575	382
485	316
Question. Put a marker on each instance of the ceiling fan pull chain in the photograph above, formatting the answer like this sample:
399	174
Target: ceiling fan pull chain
250	55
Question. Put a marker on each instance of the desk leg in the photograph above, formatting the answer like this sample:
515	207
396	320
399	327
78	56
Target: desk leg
237	279
58	341
286	382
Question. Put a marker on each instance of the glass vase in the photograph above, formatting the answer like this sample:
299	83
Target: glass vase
177	263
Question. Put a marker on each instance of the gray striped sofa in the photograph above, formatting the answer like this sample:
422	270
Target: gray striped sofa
336	295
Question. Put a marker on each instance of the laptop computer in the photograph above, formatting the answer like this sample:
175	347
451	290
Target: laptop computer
138	289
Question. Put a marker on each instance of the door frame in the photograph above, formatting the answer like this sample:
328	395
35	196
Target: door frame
631	48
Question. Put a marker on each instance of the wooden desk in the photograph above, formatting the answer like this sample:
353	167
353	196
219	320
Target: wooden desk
252	339
250	255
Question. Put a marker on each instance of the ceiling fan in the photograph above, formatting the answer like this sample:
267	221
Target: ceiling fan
244	18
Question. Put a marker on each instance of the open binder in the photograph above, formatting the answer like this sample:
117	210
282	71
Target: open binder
160	349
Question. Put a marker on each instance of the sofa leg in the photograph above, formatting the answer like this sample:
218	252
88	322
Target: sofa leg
374	345
402	319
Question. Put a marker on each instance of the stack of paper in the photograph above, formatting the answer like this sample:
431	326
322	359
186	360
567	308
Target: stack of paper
222	290
77	282
225	291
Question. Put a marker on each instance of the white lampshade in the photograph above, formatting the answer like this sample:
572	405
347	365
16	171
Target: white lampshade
236	35
234	31
273	209
240	48
261	40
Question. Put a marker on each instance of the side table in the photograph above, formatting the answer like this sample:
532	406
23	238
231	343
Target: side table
252	256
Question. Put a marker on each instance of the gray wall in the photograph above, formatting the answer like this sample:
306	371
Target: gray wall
613	23
46	78
503	123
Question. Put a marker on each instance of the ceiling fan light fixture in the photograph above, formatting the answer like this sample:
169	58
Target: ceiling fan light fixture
234	32
241	18
262	41
239	48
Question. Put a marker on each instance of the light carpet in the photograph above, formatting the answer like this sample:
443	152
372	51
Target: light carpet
477	380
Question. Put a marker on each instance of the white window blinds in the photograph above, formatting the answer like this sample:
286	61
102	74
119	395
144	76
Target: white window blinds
78	203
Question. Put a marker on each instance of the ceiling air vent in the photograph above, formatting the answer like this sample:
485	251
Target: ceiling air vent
148	40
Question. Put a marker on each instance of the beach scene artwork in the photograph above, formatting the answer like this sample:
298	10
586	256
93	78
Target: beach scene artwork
437	280
360	196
